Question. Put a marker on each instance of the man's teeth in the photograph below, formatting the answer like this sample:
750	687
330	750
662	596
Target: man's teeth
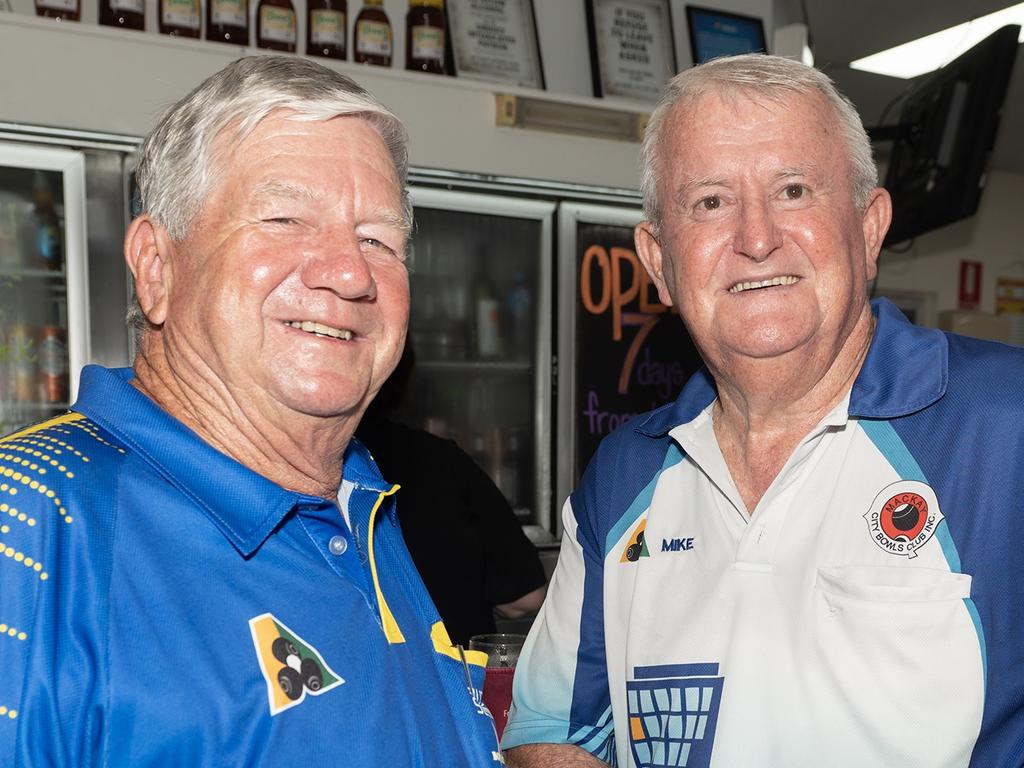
783	280
324	330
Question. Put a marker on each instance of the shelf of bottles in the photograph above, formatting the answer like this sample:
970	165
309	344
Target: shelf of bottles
33	301
473	330
274	25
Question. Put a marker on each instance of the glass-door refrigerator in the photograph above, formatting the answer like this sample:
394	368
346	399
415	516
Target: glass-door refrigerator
621	351
480	270
44	319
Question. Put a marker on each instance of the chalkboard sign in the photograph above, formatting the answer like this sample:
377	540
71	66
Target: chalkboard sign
632	353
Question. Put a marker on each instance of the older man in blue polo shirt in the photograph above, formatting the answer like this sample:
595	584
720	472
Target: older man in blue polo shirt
203	569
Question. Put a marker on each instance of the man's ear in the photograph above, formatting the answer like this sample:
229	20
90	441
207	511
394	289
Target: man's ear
648	248
147	251
875	221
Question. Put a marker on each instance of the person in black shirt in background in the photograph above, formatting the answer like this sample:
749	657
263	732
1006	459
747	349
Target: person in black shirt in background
462	534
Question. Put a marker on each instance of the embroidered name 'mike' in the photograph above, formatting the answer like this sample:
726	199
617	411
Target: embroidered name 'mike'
676	545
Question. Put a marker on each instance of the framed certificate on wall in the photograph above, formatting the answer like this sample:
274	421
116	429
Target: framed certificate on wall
496	41
631	49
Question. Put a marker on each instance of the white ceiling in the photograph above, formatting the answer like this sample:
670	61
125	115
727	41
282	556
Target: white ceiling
844	30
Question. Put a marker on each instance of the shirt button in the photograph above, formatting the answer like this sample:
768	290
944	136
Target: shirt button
337	545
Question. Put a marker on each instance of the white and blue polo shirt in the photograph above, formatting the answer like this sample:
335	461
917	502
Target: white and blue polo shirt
163	605
870	612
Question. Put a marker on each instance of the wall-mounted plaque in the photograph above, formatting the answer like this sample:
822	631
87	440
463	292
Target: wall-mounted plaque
495	40
631	47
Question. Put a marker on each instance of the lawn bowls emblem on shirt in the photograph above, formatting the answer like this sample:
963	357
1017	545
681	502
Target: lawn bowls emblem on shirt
637	545
290	665
673	713
904	517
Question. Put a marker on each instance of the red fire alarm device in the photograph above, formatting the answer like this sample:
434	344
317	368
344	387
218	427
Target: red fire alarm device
970	284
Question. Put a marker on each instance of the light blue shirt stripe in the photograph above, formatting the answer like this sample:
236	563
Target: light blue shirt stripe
643	500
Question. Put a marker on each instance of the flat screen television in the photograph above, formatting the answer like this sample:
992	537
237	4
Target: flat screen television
945	135
715	33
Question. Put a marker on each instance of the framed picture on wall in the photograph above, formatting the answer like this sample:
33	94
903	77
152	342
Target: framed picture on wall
496	41
715	33
631	47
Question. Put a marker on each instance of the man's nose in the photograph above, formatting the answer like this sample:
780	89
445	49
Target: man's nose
757	235
341	266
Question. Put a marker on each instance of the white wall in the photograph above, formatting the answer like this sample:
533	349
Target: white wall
84	76
88	77
993	236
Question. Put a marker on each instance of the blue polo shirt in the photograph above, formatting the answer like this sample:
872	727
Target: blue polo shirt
161	604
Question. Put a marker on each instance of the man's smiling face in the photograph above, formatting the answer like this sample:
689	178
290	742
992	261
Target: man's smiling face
291	289
762	247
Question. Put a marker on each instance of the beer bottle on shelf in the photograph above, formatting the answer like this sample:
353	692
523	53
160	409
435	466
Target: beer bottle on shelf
424	36
49	249
180	18
10	235
276	26
53	365
326	28
61	10
372	43
123	13
488	331
23	359
227	21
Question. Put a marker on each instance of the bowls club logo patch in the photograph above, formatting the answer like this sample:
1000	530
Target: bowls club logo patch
904	517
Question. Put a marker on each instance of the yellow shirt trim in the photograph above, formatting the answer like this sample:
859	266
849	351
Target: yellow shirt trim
443	645
391	629
56	421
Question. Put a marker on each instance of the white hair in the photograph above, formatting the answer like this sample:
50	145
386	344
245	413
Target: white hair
754	75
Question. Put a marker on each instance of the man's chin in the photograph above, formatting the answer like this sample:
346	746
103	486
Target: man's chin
325	399
769	341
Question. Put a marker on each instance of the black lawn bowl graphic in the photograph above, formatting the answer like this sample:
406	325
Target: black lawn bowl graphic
905	517
290	679
636	548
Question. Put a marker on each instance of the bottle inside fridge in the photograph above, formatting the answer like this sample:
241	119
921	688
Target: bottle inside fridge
33	318
474	280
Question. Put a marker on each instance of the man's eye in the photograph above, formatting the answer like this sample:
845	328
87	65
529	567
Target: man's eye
794	191
280	220
710	203
374	243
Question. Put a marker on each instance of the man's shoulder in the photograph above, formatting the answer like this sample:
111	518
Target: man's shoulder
70	438
640	440
625	464
976	361
50	469
983	377
57	514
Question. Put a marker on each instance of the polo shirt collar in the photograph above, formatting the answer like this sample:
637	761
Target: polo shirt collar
244	506
906	369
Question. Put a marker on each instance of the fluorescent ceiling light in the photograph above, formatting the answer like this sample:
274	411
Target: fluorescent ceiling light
927	54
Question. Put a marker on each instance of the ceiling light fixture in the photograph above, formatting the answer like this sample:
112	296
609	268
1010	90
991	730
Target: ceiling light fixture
928	53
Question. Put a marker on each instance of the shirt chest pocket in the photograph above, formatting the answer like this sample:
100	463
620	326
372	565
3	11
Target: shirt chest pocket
902	586
904	640
884	612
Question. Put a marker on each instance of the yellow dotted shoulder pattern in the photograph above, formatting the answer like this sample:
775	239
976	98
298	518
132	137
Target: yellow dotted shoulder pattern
33	461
